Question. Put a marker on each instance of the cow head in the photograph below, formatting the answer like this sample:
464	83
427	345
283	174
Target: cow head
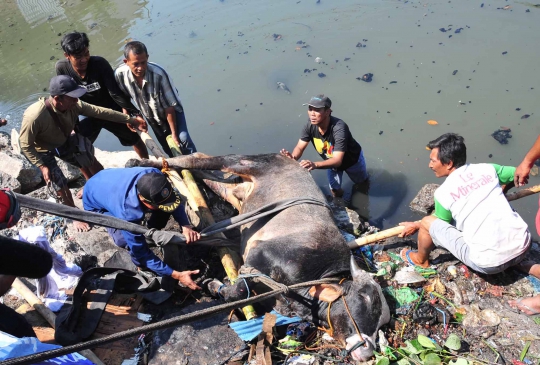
358	306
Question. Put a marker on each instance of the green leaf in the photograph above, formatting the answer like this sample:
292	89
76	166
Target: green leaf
524	351
459	361
432	359
453	342
459	317
413	347
403	362
382	361
426	342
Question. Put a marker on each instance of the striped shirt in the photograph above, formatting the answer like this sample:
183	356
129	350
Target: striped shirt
156	94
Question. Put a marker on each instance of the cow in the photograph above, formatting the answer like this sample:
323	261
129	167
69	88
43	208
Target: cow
298	244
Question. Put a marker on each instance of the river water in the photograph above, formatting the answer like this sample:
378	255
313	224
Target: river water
226	57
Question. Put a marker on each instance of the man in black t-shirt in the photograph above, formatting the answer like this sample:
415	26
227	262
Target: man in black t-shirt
333	141
97	76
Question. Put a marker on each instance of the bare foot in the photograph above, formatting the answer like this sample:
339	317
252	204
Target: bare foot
529	306
79	194
412	259
81	226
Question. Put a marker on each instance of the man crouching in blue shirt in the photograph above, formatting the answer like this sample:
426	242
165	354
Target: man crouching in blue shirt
130	193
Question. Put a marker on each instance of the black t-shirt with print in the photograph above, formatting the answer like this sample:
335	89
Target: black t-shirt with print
337	138
102	89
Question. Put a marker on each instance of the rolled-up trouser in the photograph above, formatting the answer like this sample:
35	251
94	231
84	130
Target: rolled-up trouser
187	147
449	237
357	172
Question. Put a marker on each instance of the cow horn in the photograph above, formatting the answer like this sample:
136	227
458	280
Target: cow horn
356	271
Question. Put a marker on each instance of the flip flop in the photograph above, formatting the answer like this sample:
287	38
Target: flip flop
409	261
519	304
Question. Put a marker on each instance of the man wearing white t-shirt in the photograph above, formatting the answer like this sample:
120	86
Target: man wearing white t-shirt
472	218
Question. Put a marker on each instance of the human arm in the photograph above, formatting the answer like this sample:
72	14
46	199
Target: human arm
505	173
440	212
521	176
335	161
27	138
187	229
98	112
298	150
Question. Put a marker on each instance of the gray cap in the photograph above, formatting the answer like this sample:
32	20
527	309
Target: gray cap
65	85
320	101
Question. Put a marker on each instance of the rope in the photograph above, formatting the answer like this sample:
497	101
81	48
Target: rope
172	322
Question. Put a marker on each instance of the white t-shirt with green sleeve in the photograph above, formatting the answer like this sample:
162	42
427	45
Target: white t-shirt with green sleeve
473	198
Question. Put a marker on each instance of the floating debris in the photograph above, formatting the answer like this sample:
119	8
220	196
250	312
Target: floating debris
318	59
360	45
455	72
366	77
458	30
502	134
321	75
276	36
504	52
240	34
525	116
192	34
442	30
380	133
432	122
393	82
283	87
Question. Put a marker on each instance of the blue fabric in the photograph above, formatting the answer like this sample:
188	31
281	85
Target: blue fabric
114	192
357	172
535	283
12	347
248	330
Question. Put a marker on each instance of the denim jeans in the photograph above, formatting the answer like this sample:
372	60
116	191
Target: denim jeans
186	144
357	172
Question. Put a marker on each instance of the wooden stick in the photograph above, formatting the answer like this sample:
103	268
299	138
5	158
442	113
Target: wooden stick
49	316
392	232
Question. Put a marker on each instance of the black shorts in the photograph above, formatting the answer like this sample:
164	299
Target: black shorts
57	176
90	128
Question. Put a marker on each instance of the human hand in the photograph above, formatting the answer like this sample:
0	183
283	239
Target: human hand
521	176
190	234
46	173
286	153
184	277
307	164
410	228
139	123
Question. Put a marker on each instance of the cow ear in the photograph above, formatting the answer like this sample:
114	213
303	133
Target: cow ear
326	292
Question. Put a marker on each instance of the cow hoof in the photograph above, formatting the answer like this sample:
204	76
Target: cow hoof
212	287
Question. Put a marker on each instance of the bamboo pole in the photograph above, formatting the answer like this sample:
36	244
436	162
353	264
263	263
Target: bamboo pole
392	232
229	259
49	316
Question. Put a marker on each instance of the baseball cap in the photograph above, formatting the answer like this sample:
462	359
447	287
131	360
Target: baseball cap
157	190
319	101
65	85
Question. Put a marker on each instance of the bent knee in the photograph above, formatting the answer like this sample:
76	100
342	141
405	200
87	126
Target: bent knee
427	221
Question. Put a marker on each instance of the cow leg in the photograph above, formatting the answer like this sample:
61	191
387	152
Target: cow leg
244	166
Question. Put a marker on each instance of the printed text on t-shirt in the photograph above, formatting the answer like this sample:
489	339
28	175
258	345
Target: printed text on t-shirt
470	183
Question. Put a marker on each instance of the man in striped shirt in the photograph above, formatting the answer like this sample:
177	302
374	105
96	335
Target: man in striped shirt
152	89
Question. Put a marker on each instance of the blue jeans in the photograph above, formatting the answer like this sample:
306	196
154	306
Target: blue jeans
357	172
186	144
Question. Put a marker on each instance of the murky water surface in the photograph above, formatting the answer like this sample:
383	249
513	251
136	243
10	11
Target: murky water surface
226	57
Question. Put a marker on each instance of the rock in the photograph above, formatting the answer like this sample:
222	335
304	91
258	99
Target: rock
347	219
115	159
423	202
71	172
211	333
19	168
8	181
5	141
481	322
